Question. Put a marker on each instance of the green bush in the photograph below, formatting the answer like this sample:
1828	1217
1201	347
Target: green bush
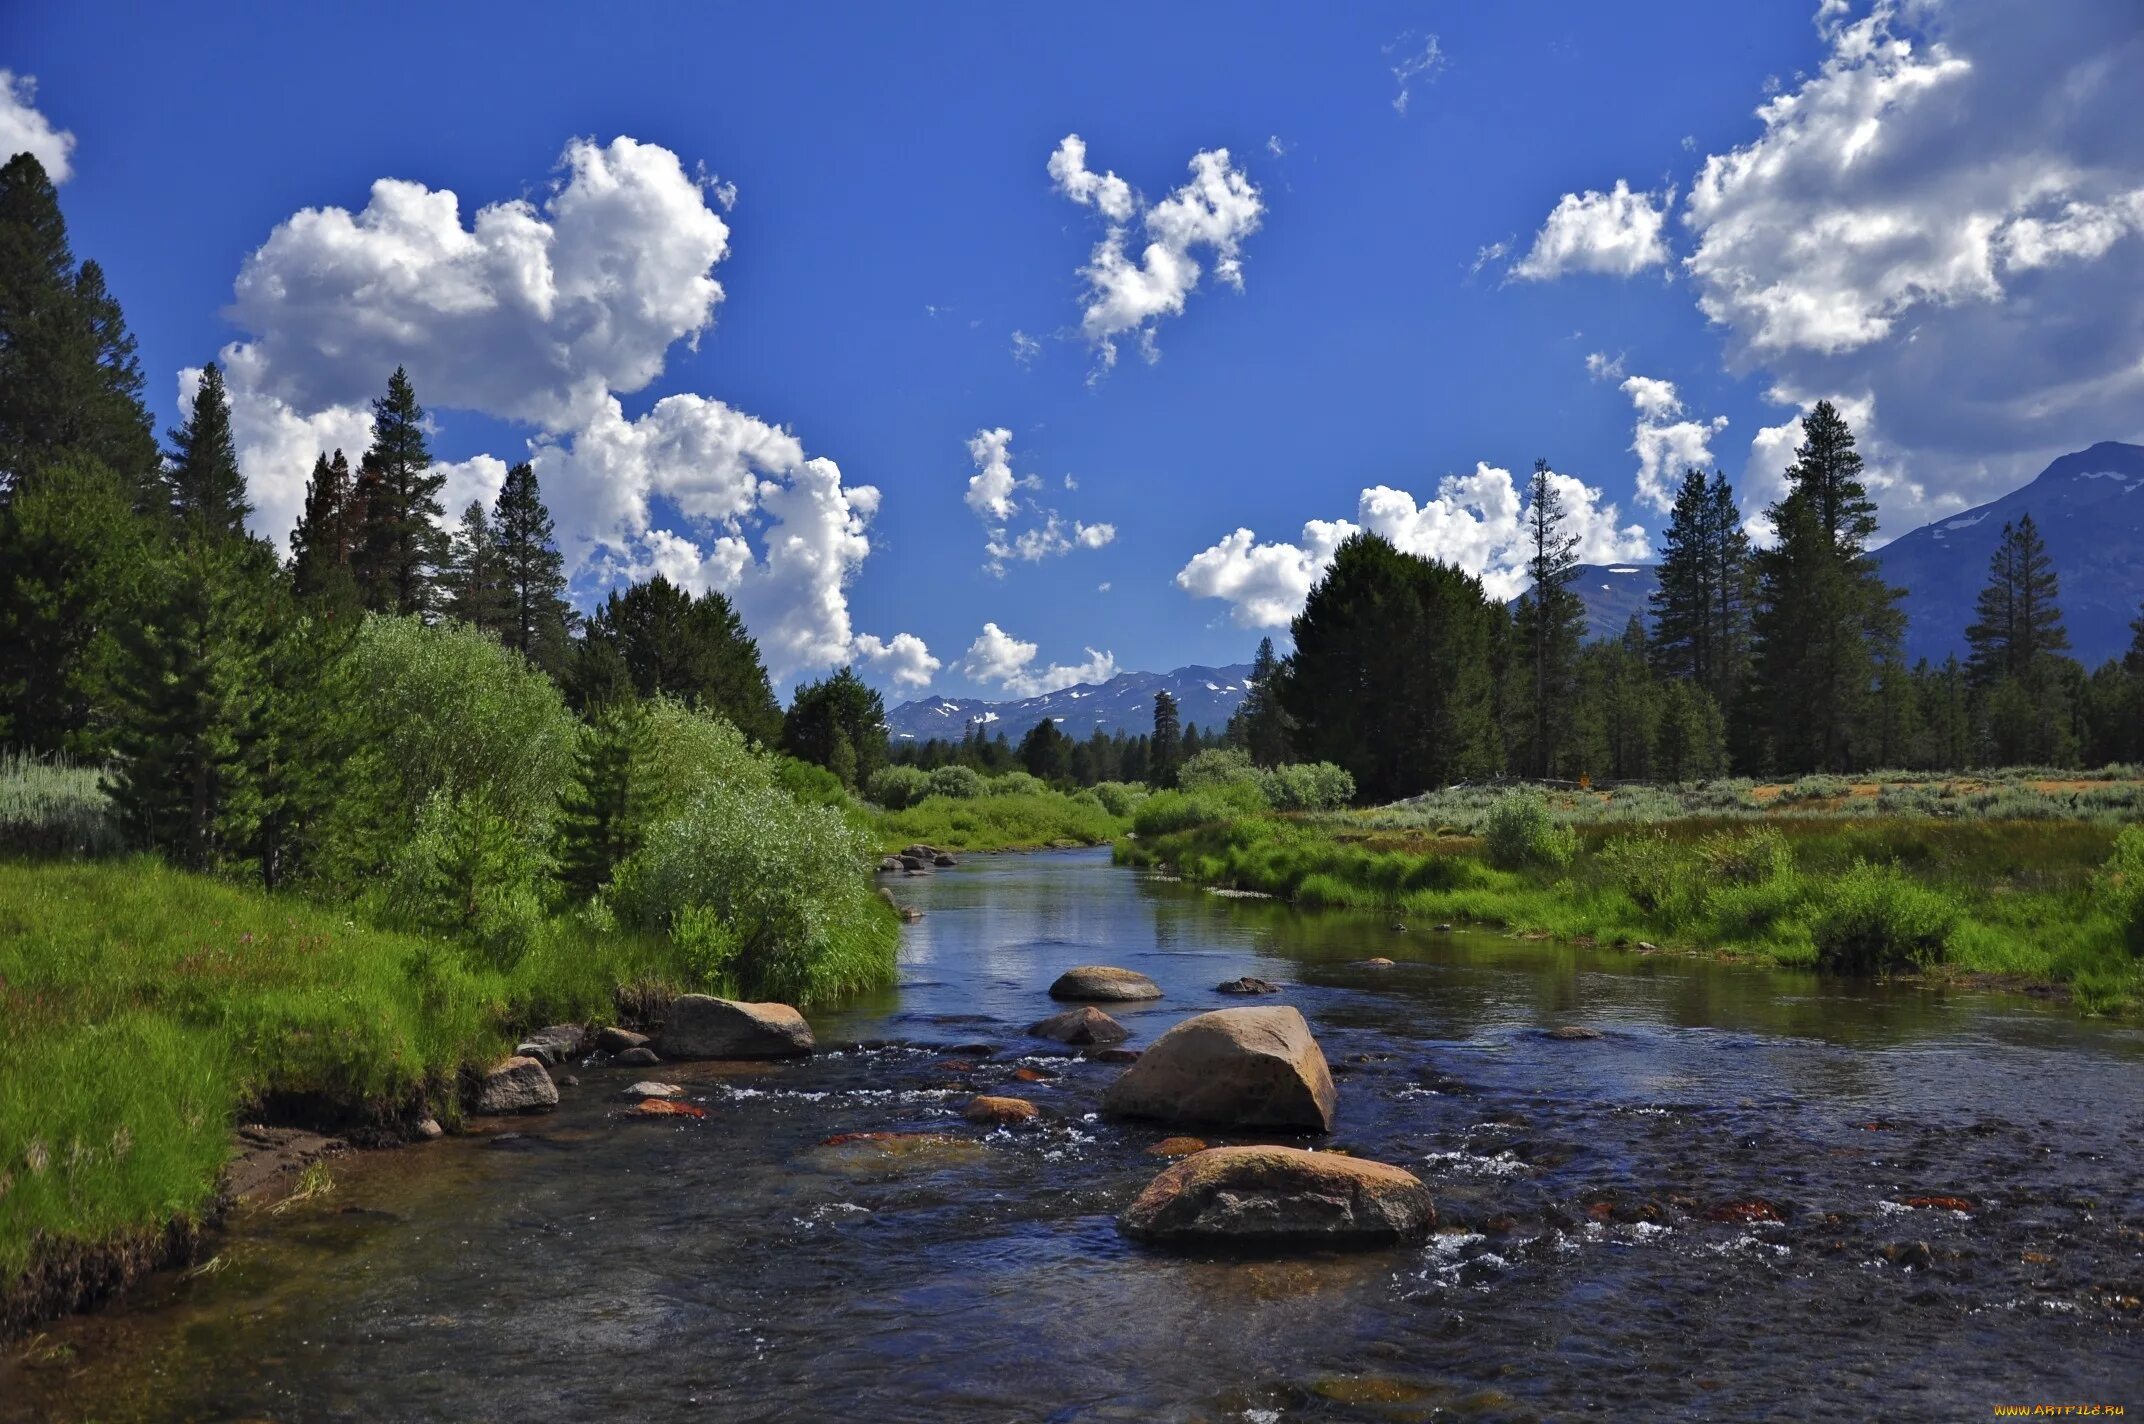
956	783
1656	873
1744	857
2121	886
1119	798
470	872
446	710
896	788
1014	783
1167	812
782	879
1307	786
1521	832
1216	766
1873	919
1038	819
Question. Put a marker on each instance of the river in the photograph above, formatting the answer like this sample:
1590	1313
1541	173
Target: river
736	1268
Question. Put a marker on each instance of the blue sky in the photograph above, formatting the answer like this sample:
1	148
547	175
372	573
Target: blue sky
1422	284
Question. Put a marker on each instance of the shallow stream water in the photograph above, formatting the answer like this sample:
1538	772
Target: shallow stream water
1589	1264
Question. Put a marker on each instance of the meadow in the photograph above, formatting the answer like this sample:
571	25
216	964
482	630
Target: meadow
2025	879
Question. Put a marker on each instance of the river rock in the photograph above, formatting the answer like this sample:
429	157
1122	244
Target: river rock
1177	1147
914	864
1280	1196
429	1130
1248	984
554	1045
921	851
1573	1033
1236	1067
1375	962
642	1057
517	1085
999	1112
1115	1055
618	1040
1104	983
890	865
943	861
702	1026
1084	1025
649	1088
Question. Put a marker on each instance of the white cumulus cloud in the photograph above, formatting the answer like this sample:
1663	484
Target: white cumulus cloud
993	495
1475	522
1665	443
1949	213
1128	295
23	129
543	313
997	656
1616	234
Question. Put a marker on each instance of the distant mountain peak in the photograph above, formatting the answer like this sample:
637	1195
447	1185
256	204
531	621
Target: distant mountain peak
1205	697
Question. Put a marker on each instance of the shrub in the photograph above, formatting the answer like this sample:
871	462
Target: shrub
1874	919
1521	832
1014	783
1216	766
791	915
898	787
1308	786
2121	886
1744	857
688	752
446	709
957	783
1655	872
1119	798
1167	812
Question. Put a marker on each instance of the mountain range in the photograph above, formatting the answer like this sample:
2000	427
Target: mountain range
2089	507
1205	698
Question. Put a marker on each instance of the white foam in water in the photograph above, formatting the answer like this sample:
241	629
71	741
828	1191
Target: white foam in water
1503	1164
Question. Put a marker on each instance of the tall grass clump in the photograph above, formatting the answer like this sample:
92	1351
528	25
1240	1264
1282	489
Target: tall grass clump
1873	919
2121	887
1521	832
50	807
1036	820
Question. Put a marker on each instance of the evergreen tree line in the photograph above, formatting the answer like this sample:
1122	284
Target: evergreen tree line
1774	662
1056	756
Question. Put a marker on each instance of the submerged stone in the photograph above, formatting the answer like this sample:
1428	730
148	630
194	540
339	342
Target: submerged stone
1280	1196
999	1111
1104	983
1085	1025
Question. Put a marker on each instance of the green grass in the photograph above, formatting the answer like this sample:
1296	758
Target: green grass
50	807
143	1007
2032	901
1029	820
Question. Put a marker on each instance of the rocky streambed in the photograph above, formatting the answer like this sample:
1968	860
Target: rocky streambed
1740	1193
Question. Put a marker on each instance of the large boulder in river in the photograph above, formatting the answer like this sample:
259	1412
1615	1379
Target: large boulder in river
1266	1197
553	1045
1234	1067
517	1085
1104	983
1083	1025
702	1026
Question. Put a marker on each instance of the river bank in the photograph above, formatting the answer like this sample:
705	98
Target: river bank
751	1266
2039	905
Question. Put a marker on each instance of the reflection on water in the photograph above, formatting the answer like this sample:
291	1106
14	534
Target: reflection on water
741	1268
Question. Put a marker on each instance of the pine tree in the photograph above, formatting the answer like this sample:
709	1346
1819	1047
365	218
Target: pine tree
299	765
207	491
2017	618
1700	608
654	639
1259	726
326	535
472	583
69	380
401	545
1824	618
1165	753
1551	622
72	554
603	815
532	574
1046	752
839	723
189	695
